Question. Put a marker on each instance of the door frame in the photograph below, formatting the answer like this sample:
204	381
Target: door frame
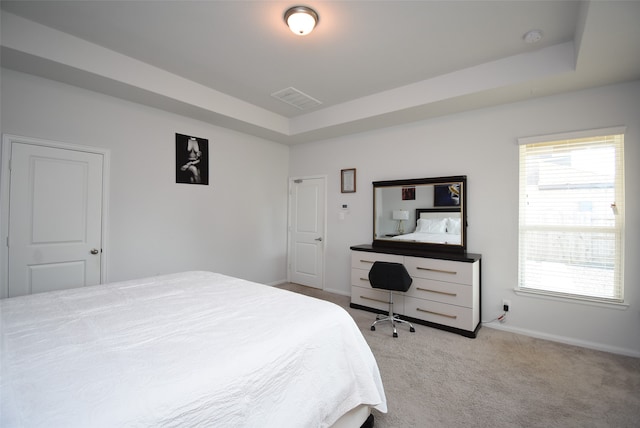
289	217
5	187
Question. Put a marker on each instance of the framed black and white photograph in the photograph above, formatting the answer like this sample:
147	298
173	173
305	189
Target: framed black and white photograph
446	195
348	180
408	193
192	160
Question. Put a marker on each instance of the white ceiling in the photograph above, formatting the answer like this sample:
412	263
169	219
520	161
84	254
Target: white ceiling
370	63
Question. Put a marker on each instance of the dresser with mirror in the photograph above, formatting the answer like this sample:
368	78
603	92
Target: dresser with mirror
422	223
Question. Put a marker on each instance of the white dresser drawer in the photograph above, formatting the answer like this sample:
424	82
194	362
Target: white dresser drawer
378	299
439	291
440	313
441	270
364	260
360	278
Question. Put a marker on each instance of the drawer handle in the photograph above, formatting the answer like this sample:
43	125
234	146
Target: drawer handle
366	261
438	292
437	270
375	300
438	313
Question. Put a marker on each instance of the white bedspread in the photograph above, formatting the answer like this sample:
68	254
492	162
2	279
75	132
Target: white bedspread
191	349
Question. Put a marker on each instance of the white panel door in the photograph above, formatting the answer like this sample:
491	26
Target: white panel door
306	248
55	219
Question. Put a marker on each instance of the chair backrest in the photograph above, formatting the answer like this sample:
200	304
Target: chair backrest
390	276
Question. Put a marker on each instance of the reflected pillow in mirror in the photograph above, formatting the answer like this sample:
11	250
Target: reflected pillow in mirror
453	226
426	225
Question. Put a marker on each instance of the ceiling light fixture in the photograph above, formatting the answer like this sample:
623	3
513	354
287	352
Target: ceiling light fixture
301	19
533	36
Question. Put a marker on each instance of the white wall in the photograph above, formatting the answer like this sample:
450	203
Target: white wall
236	225
482	145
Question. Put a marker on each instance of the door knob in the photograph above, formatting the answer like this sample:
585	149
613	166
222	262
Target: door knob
319	239
94	251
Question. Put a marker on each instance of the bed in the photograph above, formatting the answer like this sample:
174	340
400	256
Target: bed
188	349
436	226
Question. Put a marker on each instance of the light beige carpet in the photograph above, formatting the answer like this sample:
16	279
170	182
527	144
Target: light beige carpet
433	378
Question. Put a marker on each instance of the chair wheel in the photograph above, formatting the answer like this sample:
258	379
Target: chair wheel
395	334
373	328
412	330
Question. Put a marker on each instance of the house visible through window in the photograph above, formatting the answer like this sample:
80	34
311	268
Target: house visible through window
572	215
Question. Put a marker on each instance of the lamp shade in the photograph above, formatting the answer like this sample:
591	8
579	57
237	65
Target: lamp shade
400	215
301	20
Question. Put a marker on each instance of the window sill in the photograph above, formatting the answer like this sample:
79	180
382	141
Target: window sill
571	299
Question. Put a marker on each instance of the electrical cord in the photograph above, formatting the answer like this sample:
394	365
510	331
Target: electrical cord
502	318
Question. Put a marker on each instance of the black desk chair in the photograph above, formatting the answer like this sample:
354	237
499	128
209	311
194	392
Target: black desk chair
392	277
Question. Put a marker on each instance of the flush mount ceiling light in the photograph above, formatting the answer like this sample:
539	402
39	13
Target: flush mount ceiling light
301	19
533	36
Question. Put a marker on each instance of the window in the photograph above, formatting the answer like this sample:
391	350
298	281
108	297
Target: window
572	215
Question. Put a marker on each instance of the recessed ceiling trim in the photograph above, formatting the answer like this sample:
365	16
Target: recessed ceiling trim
296	98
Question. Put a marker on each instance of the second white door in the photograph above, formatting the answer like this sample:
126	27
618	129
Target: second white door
307	231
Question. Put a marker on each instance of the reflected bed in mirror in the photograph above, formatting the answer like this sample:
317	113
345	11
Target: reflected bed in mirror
422	214
434	226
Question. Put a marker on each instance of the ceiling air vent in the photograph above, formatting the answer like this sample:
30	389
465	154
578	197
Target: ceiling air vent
296	98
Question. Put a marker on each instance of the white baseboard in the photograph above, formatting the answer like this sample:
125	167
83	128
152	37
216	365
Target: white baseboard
328	290
340	292
562	339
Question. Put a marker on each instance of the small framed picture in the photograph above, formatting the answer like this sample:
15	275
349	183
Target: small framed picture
408	193
348	180
446	195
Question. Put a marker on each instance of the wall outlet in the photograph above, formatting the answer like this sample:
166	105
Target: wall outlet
506	305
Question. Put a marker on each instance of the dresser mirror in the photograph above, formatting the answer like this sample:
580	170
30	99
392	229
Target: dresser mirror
422	214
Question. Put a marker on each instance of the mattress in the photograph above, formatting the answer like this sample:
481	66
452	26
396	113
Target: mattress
189	349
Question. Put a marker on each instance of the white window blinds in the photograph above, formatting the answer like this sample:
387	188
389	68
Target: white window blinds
572	216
